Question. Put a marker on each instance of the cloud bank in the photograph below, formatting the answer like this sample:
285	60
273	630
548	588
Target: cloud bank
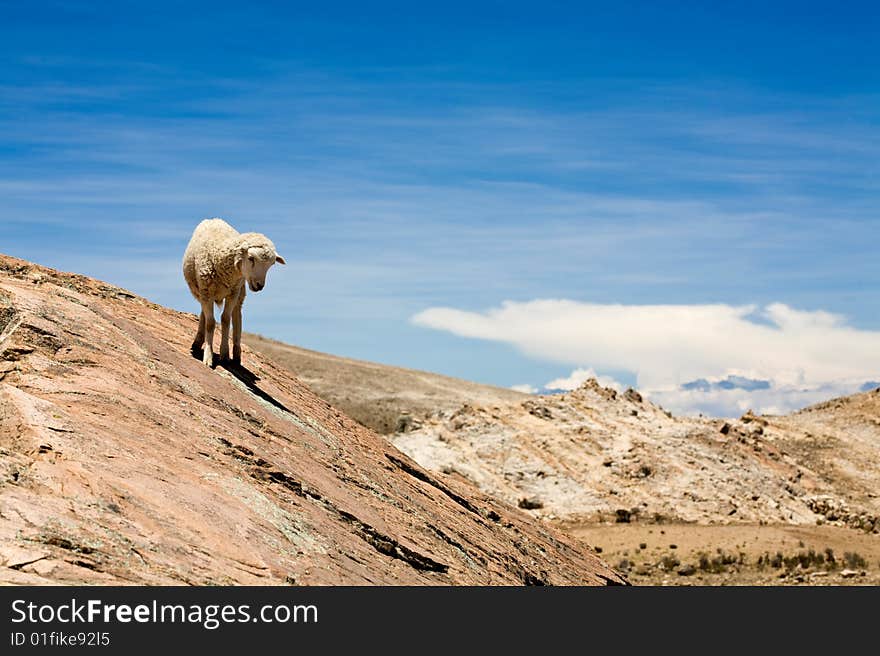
718	359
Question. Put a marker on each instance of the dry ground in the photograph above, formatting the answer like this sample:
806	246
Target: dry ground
658	554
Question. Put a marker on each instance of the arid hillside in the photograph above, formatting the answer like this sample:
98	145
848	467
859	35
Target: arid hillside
596	455
381	397
840	441
124	460
791	500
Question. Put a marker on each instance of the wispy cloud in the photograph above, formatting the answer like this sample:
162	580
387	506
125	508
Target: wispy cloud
393	192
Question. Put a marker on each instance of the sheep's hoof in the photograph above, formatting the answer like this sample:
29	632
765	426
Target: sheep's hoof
208	359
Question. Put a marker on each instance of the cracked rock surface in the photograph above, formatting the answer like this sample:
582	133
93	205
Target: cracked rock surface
124	460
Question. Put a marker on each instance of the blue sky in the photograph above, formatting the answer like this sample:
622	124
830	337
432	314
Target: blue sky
408	157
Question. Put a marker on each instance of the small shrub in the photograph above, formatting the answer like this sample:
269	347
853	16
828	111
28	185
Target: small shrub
720	563
704	563
669	562
830	561
854	560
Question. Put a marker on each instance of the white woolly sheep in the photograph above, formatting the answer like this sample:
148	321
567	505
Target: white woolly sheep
217	262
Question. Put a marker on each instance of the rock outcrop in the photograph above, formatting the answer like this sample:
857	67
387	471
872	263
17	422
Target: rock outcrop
123	460
594	454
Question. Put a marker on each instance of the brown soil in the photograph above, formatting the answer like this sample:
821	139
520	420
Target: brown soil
745	554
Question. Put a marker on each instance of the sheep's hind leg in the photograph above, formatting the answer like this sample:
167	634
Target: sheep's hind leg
200	335
207	346
236	334
224	328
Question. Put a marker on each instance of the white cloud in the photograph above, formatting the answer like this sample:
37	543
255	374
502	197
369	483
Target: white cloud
805	356
577	378
524	388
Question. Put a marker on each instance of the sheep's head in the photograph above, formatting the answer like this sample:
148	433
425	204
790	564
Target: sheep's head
254	262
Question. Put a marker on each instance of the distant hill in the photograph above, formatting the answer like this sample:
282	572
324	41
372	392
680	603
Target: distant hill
596	455
381	397
839	440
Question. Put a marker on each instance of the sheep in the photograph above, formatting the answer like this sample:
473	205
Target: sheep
216	264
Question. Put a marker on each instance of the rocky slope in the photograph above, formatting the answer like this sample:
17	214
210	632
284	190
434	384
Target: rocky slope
839	440
124	460
381	397
597	455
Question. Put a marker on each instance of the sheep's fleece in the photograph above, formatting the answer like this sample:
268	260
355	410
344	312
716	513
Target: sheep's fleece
216	265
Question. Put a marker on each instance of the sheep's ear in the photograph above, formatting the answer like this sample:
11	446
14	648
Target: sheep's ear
279	260
239	258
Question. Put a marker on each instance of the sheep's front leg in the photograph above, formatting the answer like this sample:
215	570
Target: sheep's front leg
224	327
207	345
200	334
236	334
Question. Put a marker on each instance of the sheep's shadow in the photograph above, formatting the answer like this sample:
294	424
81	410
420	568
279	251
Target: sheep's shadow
247	377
